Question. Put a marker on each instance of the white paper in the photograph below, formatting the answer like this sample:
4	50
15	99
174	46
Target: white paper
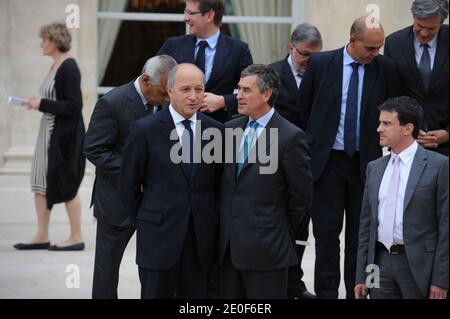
15	100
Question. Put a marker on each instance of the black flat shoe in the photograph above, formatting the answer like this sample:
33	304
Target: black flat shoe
22	246
74	247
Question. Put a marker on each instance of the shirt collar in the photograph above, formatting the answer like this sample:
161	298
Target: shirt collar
432	44
291	64
178	118
264	120
407	155
347	58
212	40
138	89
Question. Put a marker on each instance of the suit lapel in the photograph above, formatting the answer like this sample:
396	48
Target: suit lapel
410	57
167	127
377	178
418	165
336	70
441	56
219	58
134	101
189	50
370	71
287	73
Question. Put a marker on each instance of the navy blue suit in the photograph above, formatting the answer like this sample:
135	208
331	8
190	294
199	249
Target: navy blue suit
339	178
172	206
232	56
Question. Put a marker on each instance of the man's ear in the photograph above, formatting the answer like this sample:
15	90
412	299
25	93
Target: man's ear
267	95
145	79
409	129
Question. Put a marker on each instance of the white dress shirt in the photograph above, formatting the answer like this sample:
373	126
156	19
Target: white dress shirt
406	160
296	74
178	119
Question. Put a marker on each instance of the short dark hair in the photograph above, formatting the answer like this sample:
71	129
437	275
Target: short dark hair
268	79
212	5
408	111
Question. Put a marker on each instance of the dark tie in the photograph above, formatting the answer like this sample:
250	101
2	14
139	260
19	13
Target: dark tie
200	59
188	140
150	109
425	66
351	112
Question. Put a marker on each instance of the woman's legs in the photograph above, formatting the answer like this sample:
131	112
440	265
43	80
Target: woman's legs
73	208
43	220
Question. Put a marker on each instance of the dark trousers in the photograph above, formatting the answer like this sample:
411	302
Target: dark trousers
239	284
186	280
295	273
396	278
338	191
111	242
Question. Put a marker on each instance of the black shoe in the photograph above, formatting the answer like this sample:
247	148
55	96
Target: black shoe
305	294
79	246
21	246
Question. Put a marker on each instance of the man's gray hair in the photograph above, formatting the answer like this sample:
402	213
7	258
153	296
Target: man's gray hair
307	33
422	9
267	80
173	72
158	67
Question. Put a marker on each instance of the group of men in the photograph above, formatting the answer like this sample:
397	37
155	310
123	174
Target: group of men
227	229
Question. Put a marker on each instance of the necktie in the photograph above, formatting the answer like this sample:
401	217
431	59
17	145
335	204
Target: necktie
351	112
200	59
425	66
148	108
248	140
386	233
187	140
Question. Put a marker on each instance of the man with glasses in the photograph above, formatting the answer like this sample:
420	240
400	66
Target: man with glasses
305	40
220	57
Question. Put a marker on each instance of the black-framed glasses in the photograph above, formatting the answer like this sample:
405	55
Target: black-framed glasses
303	54
189	13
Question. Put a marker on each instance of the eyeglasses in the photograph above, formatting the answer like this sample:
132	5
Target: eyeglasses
189	13
303	54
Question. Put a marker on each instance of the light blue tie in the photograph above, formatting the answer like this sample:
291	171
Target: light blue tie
248	140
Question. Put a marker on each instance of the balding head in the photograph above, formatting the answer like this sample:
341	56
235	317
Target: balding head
366	39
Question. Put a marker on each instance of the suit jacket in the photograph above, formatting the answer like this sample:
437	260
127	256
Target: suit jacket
400	47
232	56
105	139
288	96
321	99
425	219
259	211
162	212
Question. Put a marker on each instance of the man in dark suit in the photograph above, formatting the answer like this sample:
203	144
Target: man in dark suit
305	40
105	139
220	57
421	52
403	240
340	93
266	191
175	214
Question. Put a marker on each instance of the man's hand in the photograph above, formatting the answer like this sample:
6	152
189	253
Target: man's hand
437	292
360	291
212	103
33	103
432	139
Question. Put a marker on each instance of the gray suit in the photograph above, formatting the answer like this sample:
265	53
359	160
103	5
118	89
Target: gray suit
425	219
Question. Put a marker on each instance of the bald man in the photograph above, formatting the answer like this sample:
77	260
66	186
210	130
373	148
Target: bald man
176	221
340	92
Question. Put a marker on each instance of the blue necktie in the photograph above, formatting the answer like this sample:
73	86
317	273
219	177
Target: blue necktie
188	140
201	59
351	112
425	66
248	140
